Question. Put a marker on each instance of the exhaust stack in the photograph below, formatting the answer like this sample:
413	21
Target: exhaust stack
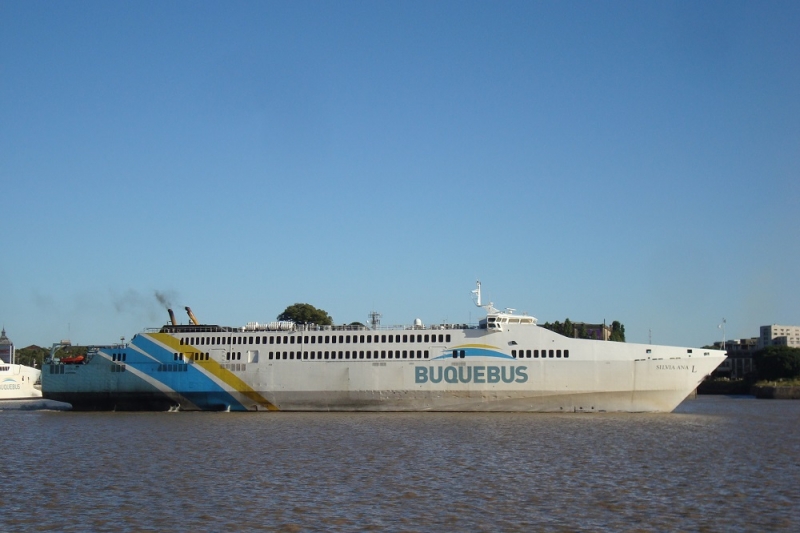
191	316
172	317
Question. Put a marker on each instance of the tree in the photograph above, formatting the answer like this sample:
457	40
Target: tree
617	332
777	362
31	356
306	314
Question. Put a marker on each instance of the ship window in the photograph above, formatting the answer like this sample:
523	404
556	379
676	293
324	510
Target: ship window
362	339
441	337
419	338
369	354
383	354
341	339
181	342
455	354
250	340
558	353
291	355
333	339
405	338
410	338
341	354
327	355
258	340
361	354
551	353
390	354
239	355
313	339
305	340
278	340
369	338
528	354
270	355
305	355
426	338
426	354
347	339
447	338
566	353
291	340
688	351
327	339
535	353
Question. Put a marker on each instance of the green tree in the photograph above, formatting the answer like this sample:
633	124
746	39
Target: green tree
306	314
569	329
31	356
617	332
777	362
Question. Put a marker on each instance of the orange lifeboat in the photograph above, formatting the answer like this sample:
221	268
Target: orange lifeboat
72	360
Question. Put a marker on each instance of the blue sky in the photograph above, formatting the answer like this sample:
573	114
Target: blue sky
631	161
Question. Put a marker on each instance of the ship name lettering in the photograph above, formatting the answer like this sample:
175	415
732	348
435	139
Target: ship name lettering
471	374
672	367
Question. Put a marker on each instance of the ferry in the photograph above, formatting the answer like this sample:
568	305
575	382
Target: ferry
507	362
19	382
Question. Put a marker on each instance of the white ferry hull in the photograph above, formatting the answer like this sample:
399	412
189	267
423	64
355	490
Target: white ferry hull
17	382
466	369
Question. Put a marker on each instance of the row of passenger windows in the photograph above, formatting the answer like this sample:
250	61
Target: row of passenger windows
173	368
119	356
315	339
118	368
544	353
347	354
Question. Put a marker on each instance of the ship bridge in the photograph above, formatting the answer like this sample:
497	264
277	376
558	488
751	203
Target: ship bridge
497	320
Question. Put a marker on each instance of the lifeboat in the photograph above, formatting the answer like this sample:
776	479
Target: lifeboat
74	360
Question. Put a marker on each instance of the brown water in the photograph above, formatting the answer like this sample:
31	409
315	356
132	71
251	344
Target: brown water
716	464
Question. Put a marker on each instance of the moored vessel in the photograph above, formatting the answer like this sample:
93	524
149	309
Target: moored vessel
506	362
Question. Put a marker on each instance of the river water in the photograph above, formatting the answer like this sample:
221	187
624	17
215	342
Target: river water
715	464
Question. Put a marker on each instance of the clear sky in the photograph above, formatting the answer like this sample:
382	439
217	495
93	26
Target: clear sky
631	161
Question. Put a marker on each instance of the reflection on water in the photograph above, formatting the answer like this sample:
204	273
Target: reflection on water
716	464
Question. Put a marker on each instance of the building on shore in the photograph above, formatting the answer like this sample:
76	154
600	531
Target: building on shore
776	335
6	348
740	351
599	332
740	358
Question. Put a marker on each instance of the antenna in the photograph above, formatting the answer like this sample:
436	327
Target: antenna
375	319
477	293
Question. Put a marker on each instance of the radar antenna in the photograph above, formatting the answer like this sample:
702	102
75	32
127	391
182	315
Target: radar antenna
375	319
